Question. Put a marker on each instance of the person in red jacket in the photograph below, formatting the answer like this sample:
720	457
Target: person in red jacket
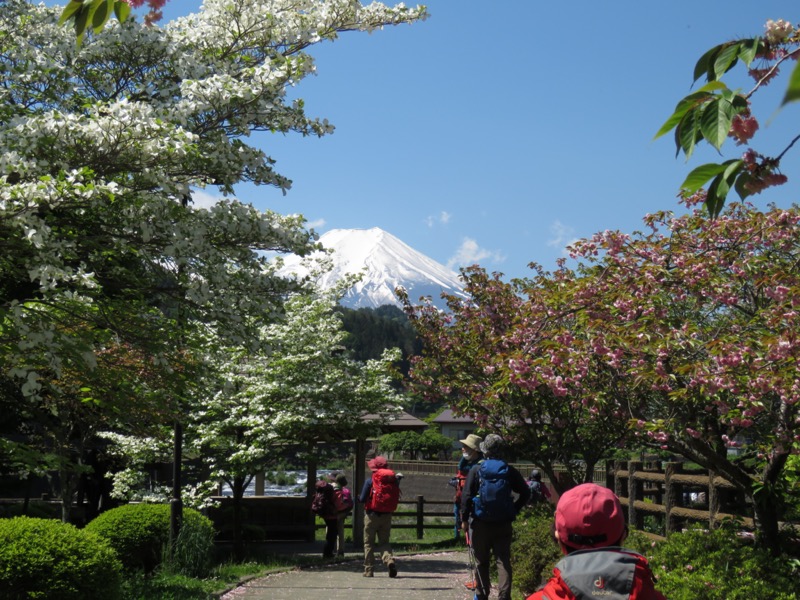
589	528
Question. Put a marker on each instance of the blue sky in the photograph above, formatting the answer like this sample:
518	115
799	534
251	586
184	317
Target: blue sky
497	132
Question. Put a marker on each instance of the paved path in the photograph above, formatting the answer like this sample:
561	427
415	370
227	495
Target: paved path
439	576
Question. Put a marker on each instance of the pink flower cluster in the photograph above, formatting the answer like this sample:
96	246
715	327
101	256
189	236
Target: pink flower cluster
743	128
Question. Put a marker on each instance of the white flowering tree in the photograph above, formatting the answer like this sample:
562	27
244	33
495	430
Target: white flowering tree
300	389
102	146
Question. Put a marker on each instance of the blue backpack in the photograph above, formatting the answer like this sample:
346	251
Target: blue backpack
494	501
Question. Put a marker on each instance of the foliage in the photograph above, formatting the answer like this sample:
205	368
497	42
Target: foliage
719	565
477	359
139	533
427	445
371	331
715	112
113	279
42	558
534	551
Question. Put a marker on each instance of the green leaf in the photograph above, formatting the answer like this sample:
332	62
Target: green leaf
704	64
726	60
700	176
122	10
81	22
715	122
719	188
741	185
101	15
69	11
685	105
793	90
748	49
688	133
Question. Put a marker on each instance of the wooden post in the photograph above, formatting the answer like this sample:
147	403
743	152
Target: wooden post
634	493
617	479
259	491
713	501
420	519
672	495
358	484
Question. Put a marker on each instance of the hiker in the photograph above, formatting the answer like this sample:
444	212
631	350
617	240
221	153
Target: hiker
470	455
589	528
343	501
380	496
488	508
539	491
323	506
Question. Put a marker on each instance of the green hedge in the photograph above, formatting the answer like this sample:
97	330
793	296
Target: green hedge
140	535
45	558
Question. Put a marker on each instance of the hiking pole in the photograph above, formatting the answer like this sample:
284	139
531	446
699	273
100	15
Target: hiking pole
473	567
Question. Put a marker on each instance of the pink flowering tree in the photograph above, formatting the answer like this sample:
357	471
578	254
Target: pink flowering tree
715	113
699	320
482	359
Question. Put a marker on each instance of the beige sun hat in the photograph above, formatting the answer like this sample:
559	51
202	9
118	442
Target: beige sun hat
472	441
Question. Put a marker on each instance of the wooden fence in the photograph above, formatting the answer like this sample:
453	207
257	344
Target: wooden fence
675	495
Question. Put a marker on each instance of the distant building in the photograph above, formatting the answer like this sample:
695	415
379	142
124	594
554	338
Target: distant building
454	427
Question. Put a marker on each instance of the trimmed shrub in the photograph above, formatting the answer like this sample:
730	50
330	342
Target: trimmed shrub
45	558
720	565
533	551
140	535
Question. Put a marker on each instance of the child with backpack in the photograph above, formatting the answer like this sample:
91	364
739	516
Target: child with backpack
589	528
488	507
380	496
343	500
323	505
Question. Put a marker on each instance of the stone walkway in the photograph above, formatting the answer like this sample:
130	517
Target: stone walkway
439	576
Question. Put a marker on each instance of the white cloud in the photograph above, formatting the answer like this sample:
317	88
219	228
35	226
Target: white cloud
469	253
561	236
442	219
319	223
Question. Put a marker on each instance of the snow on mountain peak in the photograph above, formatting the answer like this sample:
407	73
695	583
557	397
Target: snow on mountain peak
387	263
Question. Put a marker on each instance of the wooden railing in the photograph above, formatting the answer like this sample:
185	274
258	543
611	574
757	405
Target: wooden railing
662	490
419	514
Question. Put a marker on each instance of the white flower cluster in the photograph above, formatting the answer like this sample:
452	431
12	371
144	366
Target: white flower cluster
778	31
101	146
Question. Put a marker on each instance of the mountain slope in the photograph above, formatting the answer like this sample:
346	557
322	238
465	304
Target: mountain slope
387	263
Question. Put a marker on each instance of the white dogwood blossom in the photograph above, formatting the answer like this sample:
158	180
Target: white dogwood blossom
102	144
107	268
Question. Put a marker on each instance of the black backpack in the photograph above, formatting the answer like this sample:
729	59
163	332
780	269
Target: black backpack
323	501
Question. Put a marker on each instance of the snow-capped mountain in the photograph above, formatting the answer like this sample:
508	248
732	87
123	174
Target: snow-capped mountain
387	263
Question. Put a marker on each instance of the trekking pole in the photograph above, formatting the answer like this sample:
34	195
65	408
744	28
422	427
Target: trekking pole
473	567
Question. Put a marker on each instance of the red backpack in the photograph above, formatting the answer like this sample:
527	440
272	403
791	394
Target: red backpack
385	493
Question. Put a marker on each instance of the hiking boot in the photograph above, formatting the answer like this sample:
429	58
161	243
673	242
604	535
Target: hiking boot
368	574
392	570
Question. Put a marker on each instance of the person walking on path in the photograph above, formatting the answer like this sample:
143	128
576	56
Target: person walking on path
488	509
380	496
470	456
589	528
539	491
343	500
323	505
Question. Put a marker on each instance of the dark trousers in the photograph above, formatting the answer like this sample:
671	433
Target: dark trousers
488	538
331	533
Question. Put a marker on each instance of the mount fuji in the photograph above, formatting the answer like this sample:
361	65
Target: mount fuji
386	263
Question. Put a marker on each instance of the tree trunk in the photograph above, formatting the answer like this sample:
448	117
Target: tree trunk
766	512
238	492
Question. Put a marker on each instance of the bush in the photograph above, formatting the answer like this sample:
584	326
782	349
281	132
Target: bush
45	558
140	535
720	565
533	551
